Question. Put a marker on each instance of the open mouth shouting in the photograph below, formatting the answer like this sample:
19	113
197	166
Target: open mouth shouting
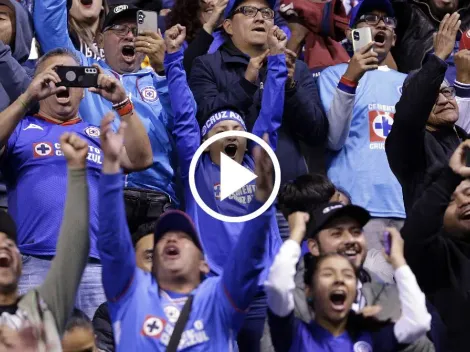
338	299
87	3
231	150
259	29
464	213
5	259
63	97
351	252
128	53
380	38
171	252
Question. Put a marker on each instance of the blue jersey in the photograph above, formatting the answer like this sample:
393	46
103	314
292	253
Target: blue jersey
148	92
361	166
219	238
144	316
290	334
35	172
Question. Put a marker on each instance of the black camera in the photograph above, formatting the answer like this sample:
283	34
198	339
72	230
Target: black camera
77	76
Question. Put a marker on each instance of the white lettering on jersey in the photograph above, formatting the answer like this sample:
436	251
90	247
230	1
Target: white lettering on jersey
190	337
244	195
94	154
32	126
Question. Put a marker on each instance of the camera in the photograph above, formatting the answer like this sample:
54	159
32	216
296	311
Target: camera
77	76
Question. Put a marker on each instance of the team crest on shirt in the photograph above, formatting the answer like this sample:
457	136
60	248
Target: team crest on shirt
153	326
217	191
380	124
172	313
93	131
149	94
362	346
43	149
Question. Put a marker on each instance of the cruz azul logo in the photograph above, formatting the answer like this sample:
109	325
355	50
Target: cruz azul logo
380	124
217	191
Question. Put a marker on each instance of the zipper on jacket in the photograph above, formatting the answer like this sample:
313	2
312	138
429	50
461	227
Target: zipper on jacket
261	86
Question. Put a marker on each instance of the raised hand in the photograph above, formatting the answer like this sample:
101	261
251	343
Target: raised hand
277	41
265	172
396	257
255	64
152	44
458	162
174	38
298	226
112	143
362	61
291	58
444	39
44	85
109	87
462	64
217	12
75	150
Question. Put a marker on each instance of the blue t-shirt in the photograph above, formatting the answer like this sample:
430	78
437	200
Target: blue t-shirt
35	172
361	166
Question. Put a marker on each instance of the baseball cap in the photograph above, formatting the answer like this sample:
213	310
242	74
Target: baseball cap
176	220
330	211
8	225
232	5
119	11
365	6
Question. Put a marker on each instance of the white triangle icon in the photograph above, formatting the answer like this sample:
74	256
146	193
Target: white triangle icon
233	176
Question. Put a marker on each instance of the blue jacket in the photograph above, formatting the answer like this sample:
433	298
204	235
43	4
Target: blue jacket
219	238
143	316
148	91
217	81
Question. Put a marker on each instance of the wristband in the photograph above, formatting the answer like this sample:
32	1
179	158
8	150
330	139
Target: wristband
124	109
121	104
348	82
25	106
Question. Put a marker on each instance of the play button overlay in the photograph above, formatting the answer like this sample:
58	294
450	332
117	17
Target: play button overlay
234	176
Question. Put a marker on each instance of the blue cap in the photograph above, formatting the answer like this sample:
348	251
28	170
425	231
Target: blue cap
365	6
232	4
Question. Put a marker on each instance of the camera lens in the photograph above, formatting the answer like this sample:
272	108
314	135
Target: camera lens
356	36
70	76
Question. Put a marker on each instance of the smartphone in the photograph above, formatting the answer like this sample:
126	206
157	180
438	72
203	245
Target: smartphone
77	76
361	37
467	157
387	242
147	21
465	41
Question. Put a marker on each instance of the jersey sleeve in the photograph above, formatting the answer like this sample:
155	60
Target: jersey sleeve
282	331
9	147
186	128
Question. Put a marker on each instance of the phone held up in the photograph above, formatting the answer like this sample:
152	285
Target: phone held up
147	21
361	37
77	76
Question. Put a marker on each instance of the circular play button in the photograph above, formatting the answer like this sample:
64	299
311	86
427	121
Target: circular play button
234	176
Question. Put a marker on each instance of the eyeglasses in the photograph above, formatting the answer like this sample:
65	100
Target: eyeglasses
373	20
251	11
448	92
122	30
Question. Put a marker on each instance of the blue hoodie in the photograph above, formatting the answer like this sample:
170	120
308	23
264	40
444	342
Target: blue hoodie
148	92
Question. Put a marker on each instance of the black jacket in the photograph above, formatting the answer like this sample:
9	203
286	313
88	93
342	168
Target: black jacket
416	155
103	329
416	25
217	81
440	262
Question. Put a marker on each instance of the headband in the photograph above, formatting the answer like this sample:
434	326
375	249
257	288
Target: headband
221	116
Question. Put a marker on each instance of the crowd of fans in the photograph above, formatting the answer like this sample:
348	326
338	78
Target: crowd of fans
103	245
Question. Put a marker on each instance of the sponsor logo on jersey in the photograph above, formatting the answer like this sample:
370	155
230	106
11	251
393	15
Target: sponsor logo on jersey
94	153
362	346
172	313
33	126
42	149
217	191
192	336
149	94
93	131
120	8
153	326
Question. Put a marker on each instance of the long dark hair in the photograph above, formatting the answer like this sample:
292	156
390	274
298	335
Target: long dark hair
185	13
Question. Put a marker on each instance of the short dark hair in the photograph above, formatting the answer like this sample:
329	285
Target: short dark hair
142	231
54	53
305	193
78	319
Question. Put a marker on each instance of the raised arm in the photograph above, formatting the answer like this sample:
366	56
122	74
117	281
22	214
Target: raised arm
239	283
339	110
40	88
137	152
405	143
114	241
186	129
63	278
272	105
51	23
415	321
280	285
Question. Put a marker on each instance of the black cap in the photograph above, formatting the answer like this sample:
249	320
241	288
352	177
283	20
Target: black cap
330	211
176	220
119	11
8	225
